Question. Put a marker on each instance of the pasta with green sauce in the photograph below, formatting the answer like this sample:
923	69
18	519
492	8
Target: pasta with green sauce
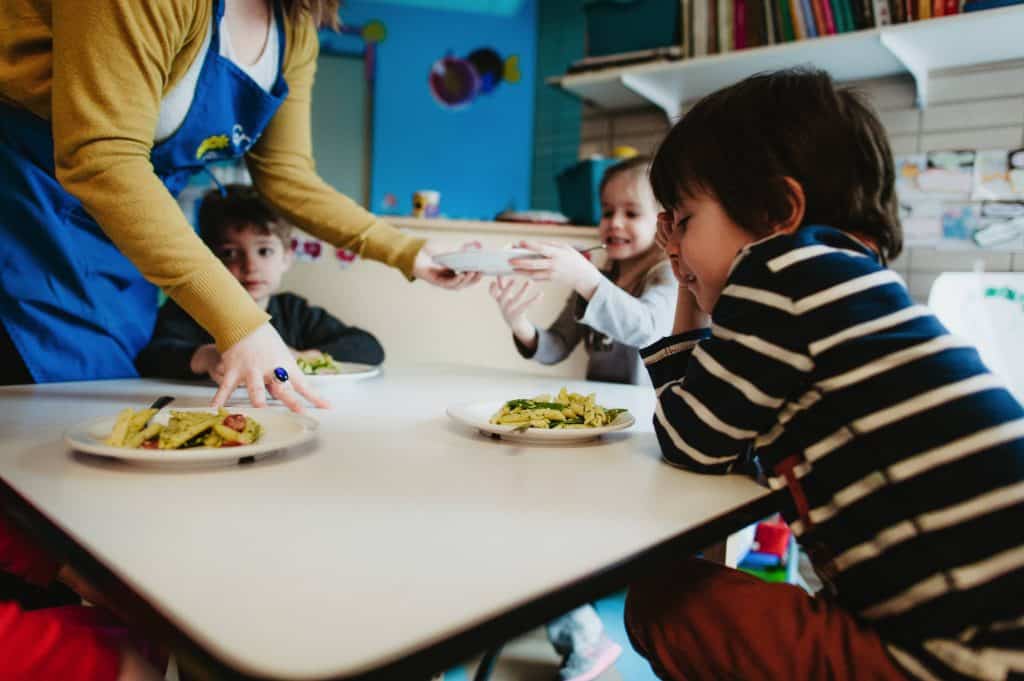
184	429
565	410
324	364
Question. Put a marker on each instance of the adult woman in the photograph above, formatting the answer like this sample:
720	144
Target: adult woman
106	109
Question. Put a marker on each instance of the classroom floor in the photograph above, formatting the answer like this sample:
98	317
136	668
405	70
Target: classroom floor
531	658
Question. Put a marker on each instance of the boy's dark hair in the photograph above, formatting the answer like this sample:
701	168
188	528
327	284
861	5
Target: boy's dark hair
633	164
240	206
738	145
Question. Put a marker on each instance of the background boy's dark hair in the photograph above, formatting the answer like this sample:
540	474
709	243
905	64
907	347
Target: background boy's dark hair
634	164
239	206
738	144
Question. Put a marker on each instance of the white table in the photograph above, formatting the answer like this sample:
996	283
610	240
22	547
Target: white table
399	542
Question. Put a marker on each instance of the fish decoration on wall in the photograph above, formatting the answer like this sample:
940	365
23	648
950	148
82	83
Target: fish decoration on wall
455	82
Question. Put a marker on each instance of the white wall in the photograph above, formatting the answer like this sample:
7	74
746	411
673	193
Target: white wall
418	323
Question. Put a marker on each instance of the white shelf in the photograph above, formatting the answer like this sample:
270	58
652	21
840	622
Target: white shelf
917	48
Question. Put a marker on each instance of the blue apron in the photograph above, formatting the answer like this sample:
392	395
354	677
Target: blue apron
73	305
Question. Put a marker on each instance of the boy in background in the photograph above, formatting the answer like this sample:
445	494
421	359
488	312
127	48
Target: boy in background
255	245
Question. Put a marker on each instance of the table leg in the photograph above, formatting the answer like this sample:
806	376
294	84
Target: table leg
483	672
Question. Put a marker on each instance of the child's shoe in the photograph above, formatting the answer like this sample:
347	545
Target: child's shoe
587	666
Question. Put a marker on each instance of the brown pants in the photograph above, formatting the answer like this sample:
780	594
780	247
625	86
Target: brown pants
695	620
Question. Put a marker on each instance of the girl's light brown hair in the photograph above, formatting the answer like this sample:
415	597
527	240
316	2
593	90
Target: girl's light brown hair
323	12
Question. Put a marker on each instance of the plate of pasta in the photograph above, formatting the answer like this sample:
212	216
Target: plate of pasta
178	436
326	369
565	417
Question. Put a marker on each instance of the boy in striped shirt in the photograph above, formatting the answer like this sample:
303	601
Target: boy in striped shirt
902	456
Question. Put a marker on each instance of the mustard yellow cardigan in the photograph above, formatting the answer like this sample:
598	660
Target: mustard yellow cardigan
98	70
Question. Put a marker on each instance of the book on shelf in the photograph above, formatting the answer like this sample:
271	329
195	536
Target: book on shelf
725	12
800	27
686	26
785	20
712	26
701	33
882	14
739	24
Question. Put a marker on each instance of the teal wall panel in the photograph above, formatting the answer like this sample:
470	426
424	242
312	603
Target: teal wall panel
557	115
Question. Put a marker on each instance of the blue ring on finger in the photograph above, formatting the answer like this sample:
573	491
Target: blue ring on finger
280	374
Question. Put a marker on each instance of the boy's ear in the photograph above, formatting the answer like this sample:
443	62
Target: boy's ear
797	206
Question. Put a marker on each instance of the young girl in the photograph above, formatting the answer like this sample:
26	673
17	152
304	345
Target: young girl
899	457
614	312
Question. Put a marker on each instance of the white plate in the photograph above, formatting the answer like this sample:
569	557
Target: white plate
350	371
281	430
478	415
485	262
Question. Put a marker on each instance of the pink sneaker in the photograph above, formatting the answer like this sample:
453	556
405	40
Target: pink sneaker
589	666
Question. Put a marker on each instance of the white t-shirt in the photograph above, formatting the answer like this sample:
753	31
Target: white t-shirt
178	101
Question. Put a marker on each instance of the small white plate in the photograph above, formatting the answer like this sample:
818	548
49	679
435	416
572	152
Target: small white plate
478	415
485	262
281	430
349	372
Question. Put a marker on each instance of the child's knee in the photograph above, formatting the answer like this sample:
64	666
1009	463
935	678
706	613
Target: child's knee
673	592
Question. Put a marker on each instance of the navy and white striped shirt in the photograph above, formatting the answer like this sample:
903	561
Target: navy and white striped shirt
909	453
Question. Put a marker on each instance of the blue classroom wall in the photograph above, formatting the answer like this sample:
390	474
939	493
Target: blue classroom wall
480	156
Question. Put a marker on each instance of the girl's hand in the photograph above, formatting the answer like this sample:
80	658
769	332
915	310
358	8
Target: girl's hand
252	361
561	263
513	299
426	269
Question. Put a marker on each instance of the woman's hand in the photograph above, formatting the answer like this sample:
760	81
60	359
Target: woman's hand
252	361
513	299
432	272
561	263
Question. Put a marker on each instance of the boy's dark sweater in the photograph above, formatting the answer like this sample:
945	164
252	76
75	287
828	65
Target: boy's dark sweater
302	326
